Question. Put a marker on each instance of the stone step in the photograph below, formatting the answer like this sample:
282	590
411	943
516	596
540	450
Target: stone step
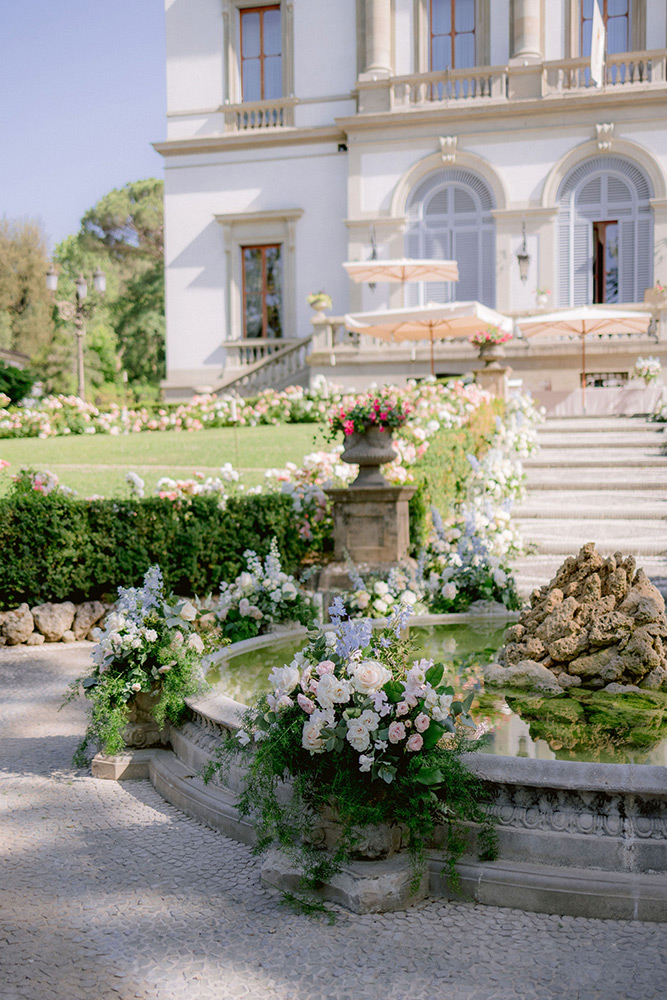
597	458
639	537
570	505
586	424
650	440
585	478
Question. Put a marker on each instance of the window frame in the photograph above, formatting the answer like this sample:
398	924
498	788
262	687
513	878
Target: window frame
636	28
264	292
261	10
600	257
422	35
231	18
267	228
452	36
605	19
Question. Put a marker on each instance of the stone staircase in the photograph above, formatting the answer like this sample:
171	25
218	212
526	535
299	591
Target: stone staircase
595	479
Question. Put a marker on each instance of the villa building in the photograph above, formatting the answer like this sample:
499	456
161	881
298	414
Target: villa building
306	133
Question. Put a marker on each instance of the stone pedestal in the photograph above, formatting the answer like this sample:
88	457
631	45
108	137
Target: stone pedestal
494	378
371	523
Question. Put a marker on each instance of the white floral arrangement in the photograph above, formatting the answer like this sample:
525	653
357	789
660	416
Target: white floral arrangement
261	596
648	369
151	643
364	734
376	598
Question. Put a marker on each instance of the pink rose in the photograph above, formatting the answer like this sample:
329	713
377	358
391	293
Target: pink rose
306	704
416	742
325	667
396	732
402	708
422	722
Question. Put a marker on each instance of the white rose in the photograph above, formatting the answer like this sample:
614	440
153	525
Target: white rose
136	687
195	642
500	578
381	588
188	612
276	596
357	735
449	591
369	676
330	639
369	719
245	581
331	690
311	737
440	711
380	606
289	591
150	635
362	597
285	678
408	597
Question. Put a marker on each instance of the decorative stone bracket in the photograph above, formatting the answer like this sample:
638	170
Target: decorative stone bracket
448	148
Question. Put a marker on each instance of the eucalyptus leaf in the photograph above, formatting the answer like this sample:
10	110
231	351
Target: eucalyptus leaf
434	674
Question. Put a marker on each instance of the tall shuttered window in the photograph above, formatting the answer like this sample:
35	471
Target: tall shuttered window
261	56
262	292
450	219
452	34
605	234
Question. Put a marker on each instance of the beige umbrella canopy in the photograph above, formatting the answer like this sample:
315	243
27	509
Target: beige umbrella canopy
402	270
581	321
454	320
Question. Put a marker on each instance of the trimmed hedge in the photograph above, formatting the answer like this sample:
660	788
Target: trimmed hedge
53	548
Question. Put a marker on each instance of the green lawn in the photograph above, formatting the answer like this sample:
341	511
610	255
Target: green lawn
97	464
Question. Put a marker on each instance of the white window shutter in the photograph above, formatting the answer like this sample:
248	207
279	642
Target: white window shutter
644	255
564	289
582	263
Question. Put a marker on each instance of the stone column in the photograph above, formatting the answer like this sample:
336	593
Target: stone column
527	31
378	39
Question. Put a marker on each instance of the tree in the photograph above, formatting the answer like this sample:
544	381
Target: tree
26	322
128	222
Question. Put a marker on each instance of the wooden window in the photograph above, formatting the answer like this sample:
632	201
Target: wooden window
262	291
261	56
616	16
452	34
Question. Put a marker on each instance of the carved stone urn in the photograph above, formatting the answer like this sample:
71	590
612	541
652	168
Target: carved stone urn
371	843
369	450
491	353
142	730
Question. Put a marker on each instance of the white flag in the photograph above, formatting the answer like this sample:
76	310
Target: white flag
598	43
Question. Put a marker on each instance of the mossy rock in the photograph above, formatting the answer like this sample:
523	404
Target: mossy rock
645	738
560	708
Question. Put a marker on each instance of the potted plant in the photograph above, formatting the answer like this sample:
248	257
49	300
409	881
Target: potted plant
357	750
490	343
542	296
319	301
367	426
648	369
656	295
146	662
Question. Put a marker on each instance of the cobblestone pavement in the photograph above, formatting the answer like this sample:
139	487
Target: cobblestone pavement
107	892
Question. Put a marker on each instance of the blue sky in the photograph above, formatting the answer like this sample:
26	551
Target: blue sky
82	96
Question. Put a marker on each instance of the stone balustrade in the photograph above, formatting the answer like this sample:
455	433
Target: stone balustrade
251	115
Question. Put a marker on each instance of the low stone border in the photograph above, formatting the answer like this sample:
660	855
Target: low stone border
50	622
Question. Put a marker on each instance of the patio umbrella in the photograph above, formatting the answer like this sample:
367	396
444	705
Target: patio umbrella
454	320
402	270
581	321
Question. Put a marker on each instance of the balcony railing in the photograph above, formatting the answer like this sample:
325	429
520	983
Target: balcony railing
627	69
256	364
449	86
259	115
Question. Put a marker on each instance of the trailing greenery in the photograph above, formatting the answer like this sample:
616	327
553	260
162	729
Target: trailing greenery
150	646
56	548
363	736
15	382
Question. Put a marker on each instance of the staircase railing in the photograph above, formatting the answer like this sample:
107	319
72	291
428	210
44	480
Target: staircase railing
264	363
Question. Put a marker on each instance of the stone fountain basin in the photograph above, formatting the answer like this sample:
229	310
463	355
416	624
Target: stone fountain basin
576	838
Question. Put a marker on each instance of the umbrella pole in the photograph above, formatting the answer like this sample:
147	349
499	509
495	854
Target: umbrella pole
432	359
583	372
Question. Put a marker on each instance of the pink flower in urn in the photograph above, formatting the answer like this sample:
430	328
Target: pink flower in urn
416	742
348	427
306	704
396	732
422	722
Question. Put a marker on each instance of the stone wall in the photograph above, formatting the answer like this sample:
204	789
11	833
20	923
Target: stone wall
65	622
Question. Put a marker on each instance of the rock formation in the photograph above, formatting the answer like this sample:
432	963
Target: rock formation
599	622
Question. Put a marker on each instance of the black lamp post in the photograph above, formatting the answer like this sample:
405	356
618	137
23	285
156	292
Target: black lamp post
75	312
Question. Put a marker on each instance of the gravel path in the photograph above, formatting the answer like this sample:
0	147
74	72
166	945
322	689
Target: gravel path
106	892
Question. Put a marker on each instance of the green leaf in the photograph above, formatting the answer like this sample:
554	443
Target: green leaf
468	721
394	691
89	682
468	701
434	674
430	776
434	733
449	725
330	744
387	774
456	708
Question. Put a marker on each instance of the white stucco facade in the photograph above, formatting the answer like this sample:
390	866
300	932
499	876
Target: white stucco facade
362	122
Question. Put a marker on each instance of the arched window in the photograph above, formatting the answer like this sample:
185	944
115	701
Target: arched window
449	217
605	233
